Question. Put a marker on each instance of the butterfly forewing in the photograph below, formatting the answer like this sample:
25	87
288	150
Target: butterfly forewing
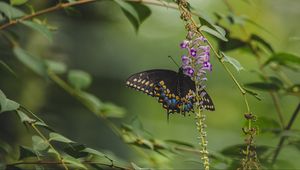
147	80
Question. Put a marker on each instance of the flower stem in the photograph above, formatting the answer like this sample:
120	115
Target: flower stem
200	122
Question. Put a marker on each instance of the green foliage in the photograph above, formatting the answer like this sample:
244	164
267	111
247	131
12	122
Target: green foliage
41	28
9	11
79	79
56	67
35	64
284	59
7	104
211	28
18	2
263	86
235	63
136	13
58	137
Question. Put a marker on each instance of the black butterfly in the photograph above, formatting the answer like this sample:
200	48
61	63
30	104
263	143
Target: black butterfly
175	91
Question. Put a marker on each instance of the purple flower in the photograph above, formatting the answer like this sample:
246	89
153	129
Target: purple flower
188	70
196	62
205	48
193	52
184	44
207	66
185	60
204	57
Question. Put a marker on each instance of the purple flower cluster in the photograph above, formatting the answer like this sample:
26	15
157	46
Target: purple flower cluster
197	61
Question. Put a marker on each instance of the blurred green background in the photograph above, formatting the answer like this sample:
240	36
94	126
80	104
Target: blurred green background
101	41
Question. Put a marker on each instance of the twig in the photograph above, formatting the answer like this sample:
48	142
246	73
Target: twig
282	139
58	163
60	6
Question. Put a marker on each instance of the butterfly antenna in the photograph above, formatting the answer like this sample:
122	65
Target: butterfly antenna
174	61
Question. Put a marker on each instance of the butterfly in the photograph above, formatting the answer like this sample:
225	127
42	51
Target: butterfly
175	90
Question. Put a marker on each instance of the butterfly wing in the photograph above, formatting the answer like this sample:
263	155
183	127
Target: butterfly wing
206	101
174	90
158	83
187	89
146	81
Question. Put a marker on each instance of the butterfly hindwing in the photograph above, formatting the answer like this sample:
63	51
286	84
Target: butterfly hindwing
206	101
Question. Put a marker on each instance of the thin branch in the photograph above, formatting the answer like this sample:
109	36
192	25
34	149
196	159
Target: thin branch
282	139
58	163
60	6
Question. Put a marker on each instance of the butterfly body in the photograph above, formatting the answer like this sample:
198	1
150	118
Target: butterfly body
174	90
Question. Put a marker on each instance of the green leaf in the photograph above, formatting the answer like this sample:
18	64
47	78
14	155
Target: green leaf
254	94
296	144
58	137
263	86
43	29
142	10
236	64
18	2
35	64
39	144
93	152
24	118
75	150
177	142
44	125
7	68
136	13
10	11
5	148
135	167
79	79
213	32
7	104
2	99
263	42
144	143
112	110
257	25
208	26
234	151
284	59
91	101
74	162
267	124
56	67
290	133
276	81
232	44
26	152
